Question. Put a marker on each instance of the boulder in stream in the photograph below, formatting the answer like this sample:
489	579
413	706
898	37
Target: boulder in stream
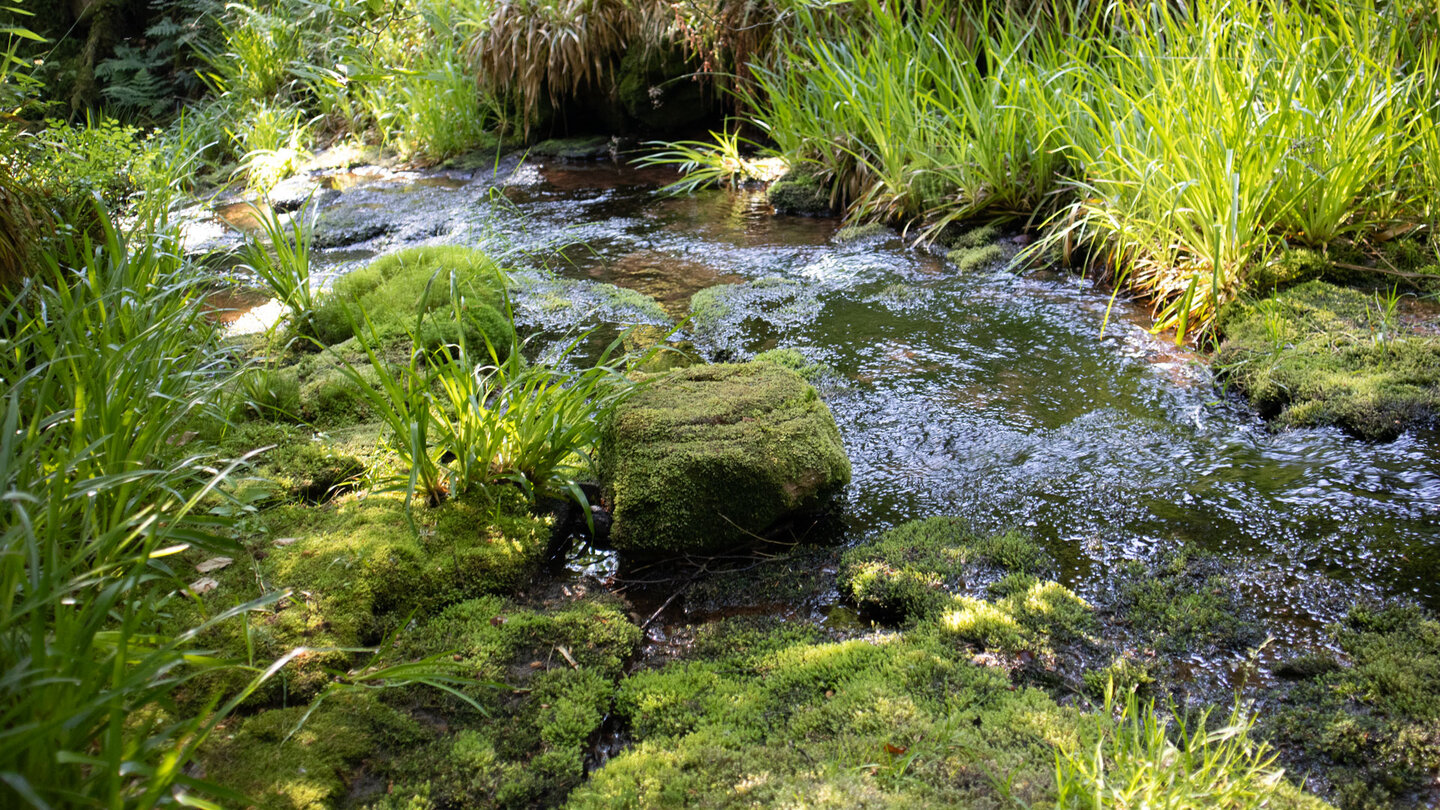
709	457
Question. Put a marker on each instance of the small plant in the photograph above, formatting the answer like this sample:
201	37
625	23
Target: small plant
1384	319
704	164
281	261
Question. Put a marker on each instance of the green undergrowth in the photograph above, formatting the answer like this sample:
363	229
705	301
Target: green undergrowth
1370	729
393	293
1317	354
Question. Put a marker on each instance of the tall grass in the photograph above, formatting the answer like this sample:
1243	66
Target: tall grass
1179	146
106	361
1138	762
281	261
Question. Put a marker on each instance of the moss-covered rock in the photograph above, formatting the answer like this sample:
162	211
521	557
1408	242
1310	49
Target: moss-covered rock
710	456
967	259
800	192
856	233
396	292
1318	354
918	567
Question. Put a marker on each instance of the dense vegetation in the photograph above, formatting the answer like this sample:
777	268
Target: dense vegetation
302	568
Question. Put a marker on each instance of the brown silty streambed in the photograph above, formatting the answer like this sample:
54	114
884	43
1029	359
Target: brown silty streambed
990	395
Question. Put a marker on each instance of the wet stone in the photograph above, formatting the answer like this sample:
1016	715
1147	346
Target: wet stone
713	457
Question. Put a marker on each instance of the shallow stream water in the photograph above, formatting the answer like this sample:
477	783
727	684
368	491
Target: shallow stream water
991	395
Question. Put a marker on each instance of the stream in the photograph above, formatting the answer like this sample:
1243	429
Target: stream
991	395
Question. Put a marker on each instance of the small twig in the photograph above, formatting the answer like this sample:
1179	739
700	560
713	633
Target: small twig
666	604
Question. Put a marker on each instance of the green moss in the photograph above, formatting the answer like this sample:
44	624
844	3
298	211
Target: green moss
977	237
875	722
268	760
1290	267
332	397
968	259
709	456
796	362
1370	728
916	567
313	471
800	192
1124	675
553	672
1036	617
855	233
1318	354
396	291
1186	602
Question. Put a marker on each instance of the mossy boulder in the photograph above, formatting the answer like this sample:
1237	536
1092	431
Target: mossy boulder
1317	354
658	91
591	147
800	192
341	226
708	457
414	291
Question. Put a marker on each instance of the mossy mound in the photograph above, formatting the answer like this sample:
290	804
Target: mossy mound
856	233
1318	354
800	192
968	259
892	722
769	717
314	471
546	680
1372	729
356	569
281	763
918	567
411	292
708	457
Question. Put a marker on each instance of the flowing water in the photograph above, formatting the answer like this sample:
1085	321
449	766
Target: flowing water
991	395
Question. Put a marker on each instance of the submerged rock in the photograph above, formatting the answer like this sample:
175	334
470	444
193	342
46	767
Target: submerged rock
581	148
341	226
800	192
712	456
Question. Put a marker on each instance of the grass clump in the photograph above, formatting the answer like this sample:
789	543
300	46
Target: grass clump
1370	728
917	567
1138	762
421	285
1317	354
